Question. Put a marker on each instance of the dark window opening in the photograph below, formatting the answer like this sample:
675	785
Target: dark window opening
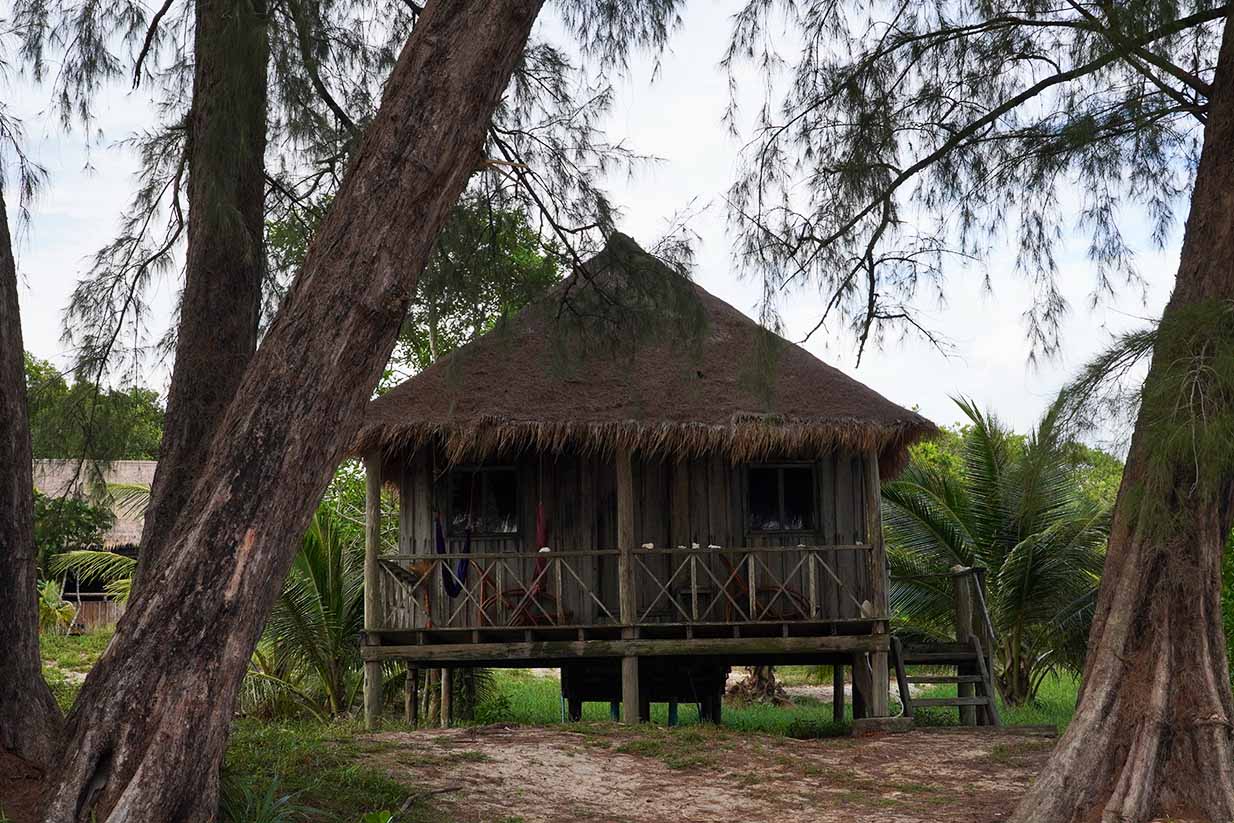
484	500
780	498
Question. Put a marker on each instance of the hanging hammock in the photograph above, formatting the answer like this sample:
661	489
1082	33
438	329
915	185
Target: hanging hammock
455	580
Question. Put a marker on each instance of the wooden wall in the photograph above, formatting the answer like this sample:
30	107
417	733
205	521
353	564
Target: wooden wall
699	501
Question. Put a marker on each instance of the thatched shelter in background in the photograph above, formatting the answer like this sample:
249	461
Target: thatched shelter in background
636	482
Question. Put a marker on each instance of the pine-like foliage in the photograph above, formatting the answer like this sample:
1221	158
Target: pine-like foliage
328	62
1017	511
898	140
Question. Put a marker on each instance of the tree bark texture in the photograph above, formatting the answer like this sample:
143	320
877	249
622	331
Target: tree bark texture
225	258
146	735
1152	732
29	717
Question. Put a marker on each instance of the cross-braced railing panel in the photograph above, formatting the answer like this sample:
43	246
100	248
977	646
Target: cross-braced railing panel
496	591
696	586
765	584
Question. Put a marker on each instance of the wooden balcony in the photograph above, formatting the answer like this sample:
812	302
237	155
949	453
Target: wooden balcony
697	593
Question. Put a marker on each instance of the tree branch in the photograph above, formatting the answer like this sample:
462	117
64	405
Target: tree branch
148	43
312	67
991	116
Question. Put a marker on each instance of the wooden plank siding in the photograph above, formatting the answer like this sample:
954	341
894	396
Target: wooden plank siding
699	501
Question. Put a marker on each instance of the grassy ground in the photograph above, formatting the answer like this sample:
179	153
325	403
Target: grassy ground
274	772
311	767
1054	706
531	700
301	771
67	659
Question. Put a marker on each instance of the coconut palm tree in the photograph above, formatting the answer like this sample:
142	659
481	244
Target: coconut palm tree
1016	509
309	657
313	634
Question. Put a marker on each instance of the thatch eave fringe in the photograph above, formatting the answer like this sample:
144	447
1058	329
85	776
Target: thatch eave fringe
743	440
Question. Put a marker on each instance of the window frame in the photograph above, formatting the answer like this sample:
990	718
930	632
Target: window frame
485	472
779	466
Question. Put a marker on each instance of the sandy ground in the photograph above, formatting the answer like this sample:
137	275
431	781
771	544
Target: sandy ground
603	773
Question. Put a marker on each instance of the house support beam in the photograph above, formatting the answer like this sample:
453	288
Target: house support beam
962	581
837	692
372	584
629	690
630	693
878	697
447	696
547	651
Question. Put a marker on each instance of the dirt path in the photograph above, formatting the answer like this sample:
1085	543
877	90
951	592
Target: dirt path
695	774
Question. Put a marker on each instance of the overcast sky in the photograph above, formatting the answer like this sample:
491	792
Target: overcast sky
675	116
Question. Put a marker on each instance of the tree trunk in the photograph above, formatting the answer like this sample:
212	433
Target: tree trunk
759	686
147	733
29	717
1151	735
225	259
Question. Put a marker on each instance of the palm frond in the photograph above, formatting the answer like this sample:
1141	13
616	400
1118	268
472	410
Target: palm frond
94	564
129	499
1016	510
987	452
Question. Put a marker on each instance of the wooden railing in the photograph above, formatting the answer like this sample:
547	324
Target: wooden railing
776	584
704	586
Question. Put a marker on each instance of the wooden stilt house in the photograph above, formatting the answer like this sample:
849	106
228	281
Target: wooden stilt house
643	518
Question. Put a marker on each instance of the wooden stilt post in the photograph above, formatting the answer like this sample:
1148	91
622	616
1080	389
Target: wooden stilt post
373	618
411	696
962	586
629	690
862	685
880	686
837	692
630	695
984	631
432	695
447	696
878	697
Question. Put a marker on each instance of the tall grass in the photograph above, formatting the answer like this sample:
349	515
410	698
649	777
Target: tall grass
527	699
1054	706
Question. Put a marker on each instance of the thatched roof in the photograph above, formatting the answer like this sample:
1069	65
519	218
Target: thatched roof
539	381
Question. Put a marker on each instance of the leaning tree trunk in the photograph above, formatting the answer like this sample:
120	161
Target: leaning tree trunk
146	735
29	717
1152	732
225	259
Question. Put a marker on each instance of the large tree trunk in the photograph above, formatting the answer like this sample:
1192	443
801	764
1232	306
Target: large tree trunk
29	717
145	738
225	259
1152	731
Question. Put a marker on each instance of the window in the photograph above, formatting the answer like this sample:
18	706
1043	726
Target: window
780	498
484	500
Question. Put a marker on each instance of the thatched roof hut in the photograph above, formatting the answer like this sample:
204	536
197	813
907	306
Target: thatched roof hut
730	388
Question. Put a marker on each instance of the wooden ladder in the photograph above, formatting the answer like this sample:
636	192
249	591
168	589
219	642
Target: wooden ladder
966	657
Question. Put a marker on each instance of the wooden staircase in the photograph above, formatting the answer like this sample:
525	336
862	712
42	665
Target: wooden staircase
974	686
